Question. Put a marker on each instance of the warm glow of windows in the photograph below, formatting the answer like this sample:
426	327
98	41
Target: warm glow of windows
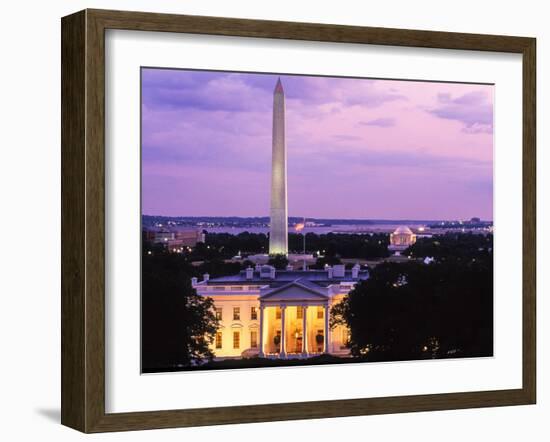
236	339
277	312
254	339
253	313
236	313
218	339
219	313
320	312
300	312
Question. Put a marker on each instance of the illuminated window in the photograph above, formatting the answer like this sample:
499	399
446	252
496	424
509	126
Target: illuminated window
320	312
219	313
300	312
278	313
236	339
218	339
236	313
253	313
254	339
345	336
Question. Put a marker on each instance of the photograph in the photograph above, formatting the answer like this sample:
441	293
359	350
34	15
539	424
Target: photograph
297	220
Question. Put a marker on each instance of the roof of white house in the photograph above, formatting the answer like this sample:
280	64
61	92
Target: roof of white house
312	278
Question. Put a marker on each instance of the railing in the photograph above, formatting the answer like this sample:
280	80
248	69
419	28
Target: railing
292	355
223	288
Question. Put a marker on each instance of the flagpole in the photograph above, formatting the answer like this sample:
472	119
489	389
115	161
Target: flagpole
304	234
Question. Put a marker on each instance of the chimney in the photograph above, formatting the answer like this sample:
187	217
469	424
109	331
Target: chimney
329	271
249	273
267	272
339	271
194	281
355	271
205	277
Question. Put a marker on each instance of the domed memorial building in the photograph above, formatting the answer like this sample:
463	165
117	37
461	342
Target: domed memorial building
401	239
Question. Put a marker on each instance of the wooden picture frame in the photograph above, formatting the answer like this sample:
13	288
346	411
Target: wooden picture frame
83	220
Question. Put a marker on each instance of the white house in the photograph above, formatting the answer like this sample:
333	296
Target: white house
279	313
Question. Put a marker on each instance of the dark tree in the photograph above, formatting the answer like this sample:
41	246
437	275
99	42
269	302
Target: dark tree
278	261
330	260
453	247
217	267
151	248
226	245
177	324
413	310
345	245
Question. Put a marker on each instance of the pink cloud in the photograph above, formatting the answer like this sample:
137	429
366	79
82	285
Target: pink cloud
356	148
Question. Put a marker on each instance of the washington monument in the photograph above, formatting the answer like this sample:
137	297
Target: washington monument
278	236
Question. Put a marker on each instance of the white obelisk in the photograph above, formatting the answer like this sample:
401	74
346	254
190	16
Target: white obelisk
278	237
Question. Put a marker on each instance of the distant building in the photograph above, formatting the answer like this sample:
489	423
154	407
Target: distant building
279	313
175	240
163	237
190	237
401	239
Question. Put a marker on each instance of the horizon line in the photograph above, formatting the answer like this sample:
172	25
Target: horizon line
320	217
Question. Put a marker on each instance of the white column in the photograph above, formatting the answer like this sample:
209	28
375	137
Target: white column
326	328
283	332
261	353
304	330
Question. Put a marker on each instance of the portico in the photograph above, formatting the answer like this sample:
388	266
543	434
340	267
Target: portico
294	322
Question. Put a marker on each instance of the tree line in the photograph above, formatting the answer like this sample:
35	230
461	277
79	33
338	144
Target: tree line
340	245
177	324
414	310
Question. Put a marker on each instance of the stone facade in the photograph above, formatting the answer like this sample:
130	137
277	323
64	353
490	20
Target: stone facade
279	314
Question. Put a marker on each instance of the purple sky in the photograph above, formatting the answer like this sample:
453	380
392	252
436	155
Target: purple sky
356	148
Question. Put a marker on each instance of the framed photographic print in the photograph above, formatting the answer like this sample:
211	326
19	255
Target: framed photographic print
266	221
